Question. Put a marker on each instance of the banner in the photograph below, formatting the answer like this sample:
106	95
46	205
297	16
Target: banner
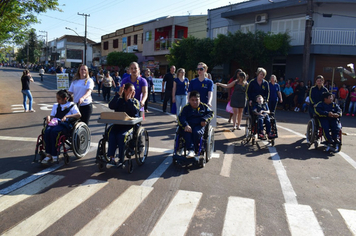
157	82
62	81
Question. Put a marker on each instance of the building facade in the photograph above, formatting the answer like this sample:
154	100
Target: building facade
333	35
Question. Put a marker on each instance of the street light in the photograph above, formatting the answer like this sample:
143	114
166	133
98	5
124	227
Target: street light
85	45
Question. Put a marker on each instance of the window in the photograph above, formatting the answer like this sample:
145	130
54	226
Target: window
128	40
180	34
74	54
106	45
221	30
294	27
148	36
115	43
248	28
135	39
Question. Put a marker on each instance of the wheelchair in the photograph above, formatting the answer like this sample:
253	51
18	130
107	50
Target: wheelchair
205	150
78	141
137	143
314	134
251	129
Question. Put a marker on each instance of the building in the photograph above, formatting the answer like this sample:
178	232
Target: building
96	54
161	33
333	35
68	51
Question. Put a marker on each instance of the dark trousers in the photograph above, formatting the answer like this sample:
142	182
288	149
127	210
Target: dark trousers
106	93
330	124
272	106
167	96
99	85
192	139
289	102
117	139
51	137
86	113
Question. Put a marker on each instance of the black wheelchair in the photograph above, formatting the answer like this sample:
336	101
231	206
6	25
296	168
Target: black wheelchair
314	134
78	141
251	129
205	150
137	143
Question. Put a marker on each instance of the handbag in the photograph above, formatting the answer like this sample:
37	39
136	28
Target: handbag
229	108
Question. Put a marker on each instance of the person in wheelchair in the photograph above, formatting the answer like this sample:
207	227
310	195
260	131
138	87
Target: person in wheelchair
58	123
192	119
118	133
261	110
328	113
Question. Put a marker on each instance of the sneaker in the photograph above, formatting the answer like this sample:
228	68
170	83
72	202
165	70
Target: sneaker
271	135
46	160
120	164
181	152
32	110
261	136
298	109
295	109
337	148
54	158
191	153
111	163
327	149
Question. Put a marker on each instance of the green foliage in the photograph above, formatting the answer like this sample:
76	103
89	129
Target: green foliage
188	52
248	50
121	59
17	15
34	49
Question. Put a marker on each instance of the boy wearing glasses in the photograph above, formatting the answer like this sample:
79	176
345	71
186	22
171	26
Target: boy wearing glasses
193	118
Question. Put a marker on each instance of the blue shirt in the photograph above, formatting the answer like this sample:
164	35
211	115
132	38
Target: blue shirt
181	87
273	92
315	94
202	87
255	89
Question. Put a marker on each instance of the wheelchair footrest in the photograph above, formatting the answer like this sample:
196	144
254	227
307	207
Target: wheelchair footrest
182	160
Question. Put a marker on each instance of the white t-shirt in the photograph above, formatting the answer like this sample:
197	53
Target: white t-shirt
73	110
79	88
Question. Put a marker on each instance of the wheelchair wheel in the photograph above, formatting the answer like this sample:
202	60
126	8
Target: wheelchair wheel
310	135
130	166
66	158
39	153
141	149
202	162
81	139
248	129
210	143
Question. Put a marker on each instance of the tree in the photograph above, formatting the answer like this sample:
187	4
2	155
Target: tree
17	15
32	48
188	52
121	59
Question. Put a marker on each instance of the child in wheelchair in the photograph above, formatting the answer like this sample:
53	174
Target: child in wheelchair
118	133
261	110
328	113
58	123
192	119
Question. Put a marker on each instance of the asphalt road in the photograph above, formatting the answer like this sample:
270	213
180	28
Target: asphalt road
248	189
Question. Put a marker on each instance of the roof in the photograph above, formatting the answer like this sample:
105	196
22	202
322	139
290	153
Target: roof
76	39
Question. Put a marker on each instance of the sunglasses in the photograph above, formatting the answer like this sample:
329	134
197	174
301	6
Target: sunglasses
200	69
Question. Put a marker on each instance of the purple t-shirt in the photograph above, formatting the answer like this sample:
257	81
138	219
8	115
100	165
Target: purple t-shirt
139	83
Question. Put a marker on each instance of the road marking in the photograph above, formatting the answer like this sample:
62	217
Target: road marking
48	215
287	189
29	179
240	217
8	138
176	218
10	175
228	156
350	219
27	191
113	216
302	221
292	131
151	180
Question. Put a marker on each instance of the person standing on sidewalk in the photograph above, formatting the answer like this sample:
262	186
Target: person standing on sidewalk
99	80
151	87
26	79
180	90
106	85
168	81
41	72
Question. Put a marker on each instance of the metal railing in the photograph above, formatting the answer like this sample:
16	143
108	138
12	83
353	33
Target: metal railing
329	36
165	43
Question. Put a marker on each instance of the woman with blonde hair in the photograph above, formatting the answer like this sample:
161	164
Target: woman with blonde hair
81	88
180	90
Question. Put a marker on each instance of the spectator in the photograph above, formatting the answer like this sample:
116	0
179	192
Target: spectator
26	79
288	93
305	106
81	88
106	85
99	79
282	84
180	90
150	87
300	94
275	93
117	80
41	72
343	95
352	105
167	90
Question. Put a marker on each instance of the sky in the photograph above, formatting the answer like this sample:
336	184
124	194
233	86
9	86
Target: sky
107	16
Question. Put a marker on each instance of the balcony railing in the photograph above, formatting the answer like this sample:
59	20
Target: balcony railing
327	36
165	43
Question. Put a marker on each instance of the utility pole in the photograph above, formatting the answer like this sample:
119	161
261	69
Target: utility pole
307	39
46	52
85	38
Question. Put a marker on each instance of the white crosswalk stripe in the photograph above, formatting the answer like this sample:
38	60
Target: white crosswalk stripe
350	219
10	175
27	191
41	220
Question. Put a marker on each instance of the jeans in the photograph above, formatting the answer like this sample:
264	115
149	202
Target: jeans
106	93
27	93
352	107
181	101
193	139
266	121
